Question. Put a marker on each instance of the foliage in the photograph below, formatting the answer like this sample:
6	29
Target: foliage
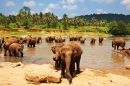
48	21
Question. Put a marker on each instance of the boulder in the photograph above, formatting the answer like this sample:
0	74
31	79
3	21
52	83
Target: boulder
54	77
127	67
41	73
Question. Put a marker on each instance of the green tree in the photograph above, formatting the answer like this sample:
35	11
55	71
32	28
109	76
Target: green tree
112	27
122	30
65	21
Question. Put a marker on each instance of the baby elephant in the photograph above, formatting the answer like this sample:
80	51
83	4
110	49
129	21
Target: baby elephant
16	49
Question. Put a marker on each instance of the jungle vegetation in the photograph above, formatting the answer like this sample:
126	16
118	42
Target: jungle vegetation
115	24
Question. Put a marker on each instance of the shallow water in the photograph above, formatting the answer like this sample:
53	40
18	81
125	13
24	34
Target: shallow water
97	56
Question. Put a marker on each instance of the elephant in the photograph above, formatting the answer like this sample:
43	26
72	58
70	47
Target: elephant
59	39
92	40
77	38
15	49
100	39
71	38
82	40
38	39
7	43
30	41
116	42
57	58
50	38
125	52
70	54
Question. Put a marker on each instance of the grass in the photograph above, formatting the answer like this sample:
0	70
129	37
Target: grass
37	31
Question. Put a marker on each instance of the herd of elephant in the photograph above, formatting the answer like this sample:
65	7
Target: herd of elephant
65	54
13	45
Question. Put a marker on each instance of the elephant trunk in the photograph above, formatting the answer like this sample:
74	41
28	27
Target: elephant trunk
68	62
57	56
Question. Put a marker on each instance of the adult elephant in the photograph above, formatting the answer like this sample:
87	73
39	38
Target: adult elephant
38	39
82	40
116	42
70	54
7	43
57	58
77	38
59	39
50	38
15	49
31	41
71	38
92	41
100	39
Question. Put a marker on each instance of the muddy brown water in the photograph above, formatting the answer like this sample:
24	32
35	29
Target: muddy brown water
97	56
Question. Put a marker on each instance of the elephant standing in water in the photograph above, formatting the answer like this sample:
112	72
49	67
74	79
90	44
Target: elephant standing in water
70	54
100	39
15	49
7	43
116	42
92	41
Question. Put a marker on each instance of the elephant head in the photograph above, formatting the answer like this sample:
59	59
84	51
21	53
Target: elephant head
19	50
100	39
68	54
57	57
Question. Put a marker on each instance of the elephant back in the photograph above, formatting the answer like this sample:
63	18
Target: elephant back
76	47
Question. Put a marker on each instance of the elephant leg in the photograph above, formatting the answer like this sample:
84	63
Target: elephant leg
78	64
5	51
33	45
59	64
21	54
114	47
117	47
10	53
56	65
27	44
63	70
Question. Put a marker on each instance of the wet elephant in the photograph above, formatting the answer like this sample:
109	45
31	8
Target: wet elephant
82	40
116	42
70	54
16	49
100	39
38	39
57	58
59	39
30	41
92	41
50	38
77	38
7	43
71	38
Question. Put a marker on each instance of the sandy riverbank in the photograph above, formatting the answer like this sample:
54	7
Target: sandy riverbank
12	74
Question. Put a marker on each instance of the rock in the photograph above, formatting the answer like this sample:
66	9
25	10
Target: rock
9	64
127	67
54	77
41	73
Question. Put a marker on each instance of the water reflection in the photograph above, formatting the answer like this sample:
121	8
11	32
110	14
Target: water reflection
12	59
117	57
100	44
